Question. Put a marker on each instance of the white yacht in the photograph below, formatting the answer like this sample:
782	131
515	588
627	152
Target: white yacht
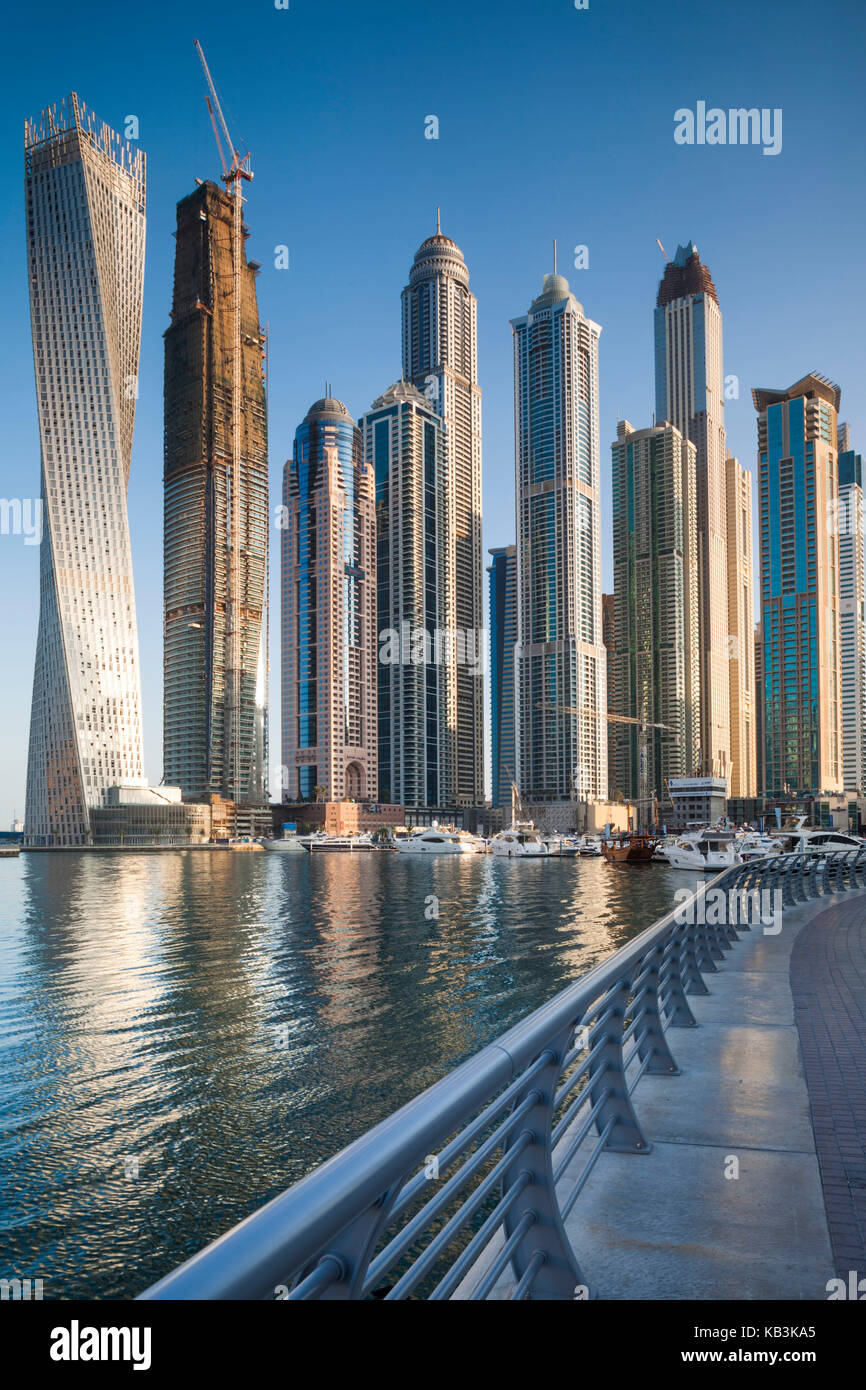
566	846
290	842
436	840
798	837
708	851
753	845
320	843
591	845
520	841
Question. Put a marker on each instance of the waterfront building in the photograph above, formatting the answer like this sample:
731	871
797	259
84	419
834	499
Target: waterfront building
800	587
759	707
152	817
560	700
852	593
502	595
85	210
405	453
608	637
741	629
328	581
215	690
689	394
440	358
696	801
656	586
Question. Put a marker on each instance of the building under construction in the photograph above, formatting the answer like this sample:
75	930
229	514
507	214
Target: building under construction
216	511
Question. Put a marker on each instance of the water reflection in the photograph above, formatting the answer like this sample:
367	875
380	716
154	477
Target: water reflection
222	1022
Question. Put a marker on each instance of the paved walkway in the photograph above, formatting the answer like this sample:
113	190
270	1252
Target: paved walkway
672	1224
828	982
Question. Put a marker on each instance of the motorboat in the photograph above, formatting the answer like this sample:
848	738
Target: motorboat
660	853
321	843
591	845
290	842
566	846
754	845
798	837
437	840
707	851
520	841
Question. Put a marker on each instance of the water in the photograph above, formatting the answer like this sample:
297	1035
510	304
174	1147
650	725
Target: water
220	1023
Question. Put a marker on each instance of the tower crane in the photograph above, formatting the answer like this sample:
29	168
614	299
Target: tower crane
236	168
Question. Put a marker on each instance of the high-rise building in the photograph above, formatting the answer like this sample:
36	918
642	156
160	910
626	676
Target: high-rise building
84	190
502	573
800	587
560	698
215	715
440	358
328	581
656	587
608	637
741	629
852	590
404	451
690	395
759	708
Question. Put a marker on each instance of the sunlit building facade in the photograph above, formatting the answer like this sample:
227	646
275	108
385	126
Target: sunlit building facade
328	581
690	394
440	357
502	573
852	578
741	629
800	587
560	690
85	208
405	453
656	610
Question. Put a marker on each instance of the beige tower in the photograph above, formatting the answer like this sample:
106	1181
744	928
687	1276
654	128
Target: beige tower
689	394
741	629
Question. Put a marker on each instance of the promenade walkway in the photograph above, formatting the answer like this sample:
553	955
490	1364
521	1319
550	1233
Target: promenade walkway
729	1202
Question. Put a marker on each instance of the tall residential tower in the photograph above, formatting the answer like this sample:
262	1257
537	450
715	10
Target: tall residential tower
560	691
689	394
440	358
214	732
852	586
800	587
741	630
84	190
328	580
503	636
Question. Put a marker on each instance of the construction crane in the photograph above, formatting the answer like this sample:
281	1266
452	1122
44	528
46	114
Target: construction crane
236	168
642	726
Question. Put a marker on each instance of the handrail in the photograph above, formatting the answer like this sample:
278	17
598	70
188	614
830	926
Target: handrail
469	1168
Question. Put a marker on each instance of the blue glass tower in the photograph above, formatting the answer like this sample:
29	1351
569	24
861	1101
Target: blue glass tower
502	574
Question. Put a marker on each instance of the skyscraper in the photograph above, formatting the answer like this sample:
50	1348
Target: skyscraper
689	394
852	593
328	580
84	189
560	698
608	636
656	587
440	358
404	451
214	730
741	629
503	635
800	586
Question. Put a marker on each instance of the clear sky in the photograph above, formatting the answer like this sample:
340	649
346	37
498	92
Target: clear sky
553	122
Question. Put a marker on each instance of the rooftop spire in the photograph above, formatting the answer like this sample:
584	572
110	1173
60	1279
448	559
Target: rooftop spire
554	255
438	223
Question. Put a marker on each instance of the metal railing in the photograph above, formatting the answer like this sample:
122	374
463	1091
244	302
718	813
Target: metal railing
464	1177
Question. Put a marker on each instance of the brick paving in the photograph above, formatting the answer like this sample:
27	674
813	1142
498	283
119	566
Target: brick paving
828	982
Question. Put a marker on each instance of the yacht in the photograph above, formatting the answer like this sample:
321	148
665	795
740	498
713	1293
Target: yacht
591	845
566	846
320	843
753	845
290	842
520	841
708	851
798	837
436	840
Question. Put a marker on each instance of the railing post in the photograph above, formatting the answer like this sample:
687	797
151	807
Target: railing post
679	1014
534	1218
654	1044
607	1073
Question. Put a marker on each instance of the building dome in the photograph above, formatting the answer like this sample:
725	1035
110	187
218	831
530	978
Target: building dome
327	406
554	288
436	256
400	391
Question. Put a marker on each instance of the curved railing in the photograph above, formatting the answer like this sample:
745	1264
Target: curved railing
468	1176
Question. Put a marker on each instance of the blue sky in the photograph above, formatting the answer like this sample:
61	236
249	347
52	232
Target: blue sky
553	122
